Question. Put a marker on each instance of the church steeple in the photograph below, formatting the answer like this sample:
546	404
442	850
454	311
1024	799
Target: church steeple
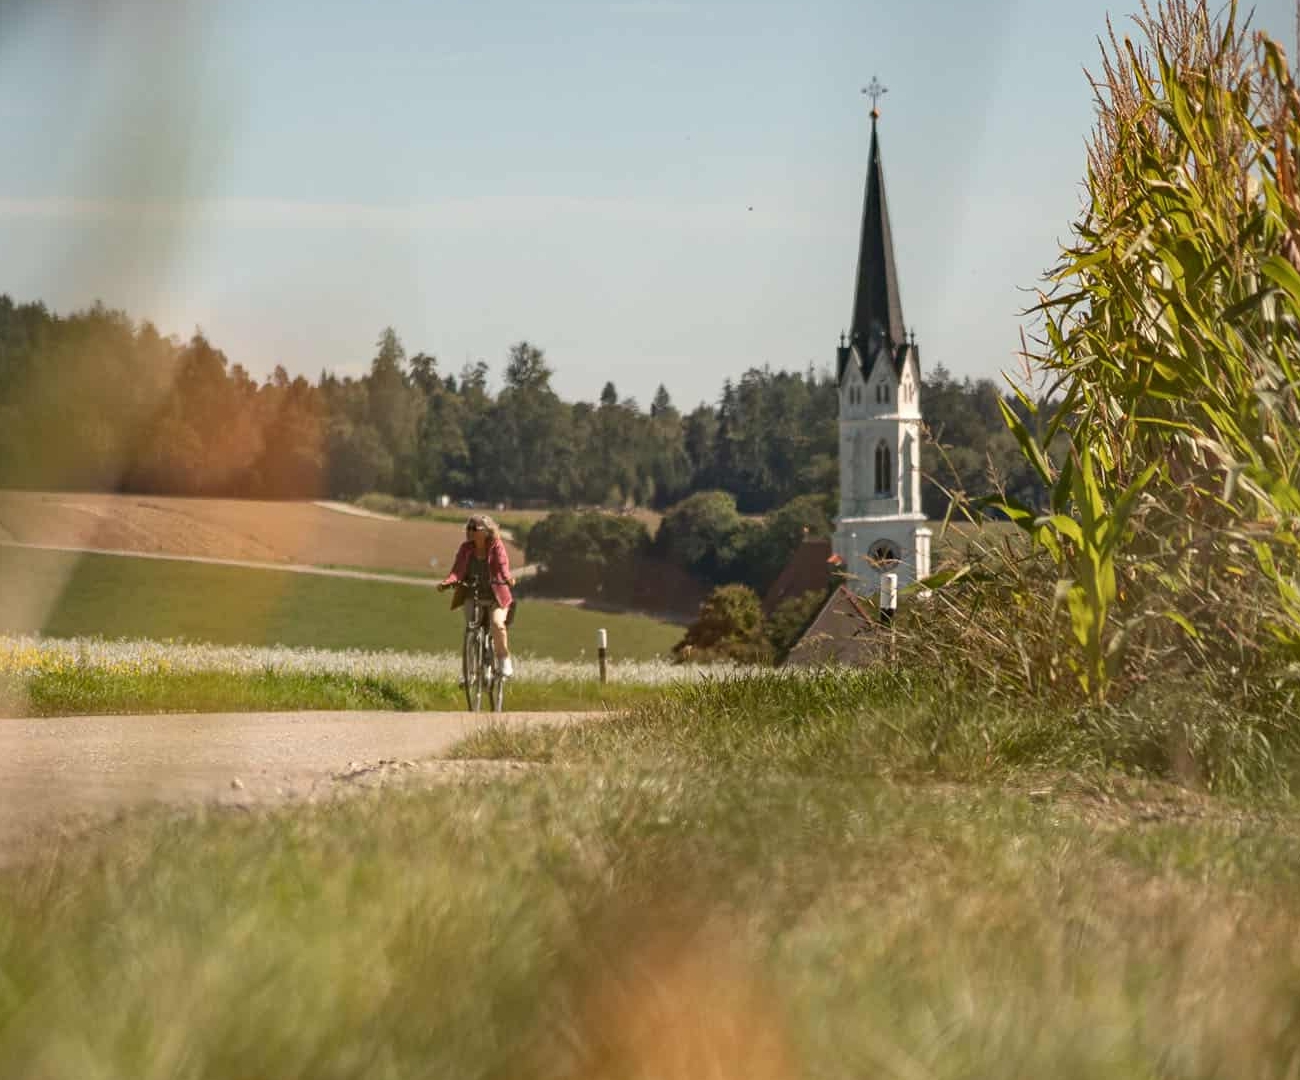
877	309
881	524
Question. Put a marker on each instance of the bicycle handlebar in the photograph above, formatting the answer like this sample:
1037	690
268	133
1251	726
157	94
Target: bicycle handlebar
473	585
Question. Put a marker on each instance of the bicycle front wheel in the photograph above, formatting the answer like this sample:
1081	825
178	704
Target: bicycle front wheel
498	690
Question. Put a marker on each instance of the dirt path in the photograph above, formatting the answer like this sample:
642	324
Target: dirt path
69	771
355	511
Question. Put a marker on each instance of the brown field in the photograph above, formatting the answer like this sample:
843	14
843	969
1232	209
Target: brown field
277	532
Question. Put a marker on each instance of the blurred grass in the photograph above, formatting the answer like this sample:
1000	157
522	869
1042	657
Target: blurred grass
95	692
118	597
613	922
894	722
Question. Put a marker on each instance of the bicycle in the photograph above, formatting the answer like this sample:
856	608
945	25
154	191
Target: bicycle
478	656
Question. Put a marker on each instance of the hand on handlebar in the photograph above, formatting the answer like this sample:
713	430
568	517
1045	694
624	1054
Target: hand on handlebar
445	584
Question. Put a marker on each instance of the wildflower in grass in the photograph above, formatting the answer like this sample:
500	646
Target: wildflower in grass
29	656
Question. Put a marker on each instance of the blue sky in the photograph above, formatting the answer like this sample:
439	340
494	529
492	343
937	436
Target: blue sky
293	177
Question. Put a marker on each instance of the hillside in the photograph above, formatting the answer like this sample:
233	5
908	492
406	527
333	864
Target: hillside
280	532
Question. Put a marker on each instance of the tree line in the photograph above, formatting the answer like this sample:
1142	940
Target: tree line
95	401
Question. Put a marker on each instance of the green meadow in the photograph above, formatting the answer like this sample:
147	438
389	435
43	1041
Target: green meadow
119	597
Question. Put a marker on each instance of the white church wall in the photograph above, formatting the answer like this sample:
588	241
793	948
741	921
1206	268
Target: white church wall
859	542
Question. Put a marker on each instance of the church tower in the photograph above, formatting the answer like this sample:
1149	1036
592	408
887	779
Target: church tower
881	527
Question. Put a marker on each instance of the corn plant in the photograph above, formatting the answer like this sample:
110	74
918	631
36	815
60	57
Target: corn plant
1172	335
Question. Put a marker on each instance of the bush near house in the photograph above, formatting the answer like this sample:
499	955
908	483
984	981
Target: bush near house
789	618
729	627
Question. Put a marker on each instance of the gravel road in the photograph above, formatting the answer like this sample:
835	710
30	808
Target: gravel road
64	772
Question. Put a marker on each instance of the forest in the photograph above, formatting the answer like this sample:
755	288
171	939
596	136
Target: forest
96	400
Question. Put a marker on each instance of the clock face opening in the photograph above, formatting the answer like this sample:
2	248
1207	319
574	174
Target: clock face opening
883	554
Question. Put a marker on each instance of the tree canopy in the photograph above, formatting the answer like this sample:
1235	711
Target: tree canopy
96	401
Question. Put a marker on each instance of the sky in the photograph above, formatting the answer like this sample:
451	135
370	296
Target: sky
653	191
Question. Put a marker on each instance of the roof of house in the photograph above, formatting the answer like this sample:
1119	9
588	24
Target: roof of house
846	631
808	570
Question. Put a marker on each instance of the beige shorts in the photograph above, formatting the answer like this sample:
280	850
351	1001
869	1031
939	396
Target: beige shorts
497	617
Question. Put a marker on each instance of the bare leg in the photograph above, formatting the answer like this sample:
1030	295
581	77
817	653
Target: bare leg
500	639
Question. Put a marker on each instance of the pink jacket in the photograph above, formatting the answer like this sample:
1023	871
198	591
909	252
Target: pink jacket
498	570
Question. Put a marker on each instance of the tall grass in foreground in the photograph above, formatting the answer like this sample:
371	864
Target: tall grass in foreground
897	723
620	924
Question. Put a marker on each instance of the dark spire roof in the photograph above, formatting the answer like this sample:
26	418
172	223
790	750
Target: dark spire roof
877	310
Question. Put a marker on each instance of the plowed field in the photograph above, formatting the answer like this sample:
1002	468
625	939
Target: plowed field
278	532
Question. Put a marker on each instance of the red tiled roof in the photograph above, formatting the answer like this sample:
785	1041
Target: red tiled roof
808	570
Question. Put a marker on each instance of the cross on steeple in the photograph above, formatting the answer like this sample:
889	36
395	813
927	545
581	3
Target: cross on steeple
875	90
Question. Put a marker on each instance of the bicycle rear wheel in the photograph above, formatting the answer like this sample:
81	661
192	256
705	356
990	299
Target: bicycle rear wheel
472	668
492	677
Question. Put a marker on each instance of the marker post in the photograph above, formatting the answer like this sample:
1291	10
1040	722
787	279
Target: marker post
888	598
602	652
888	607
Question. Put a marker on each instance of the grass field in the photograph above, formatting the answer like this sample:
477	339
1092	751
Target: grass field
137	598
713	910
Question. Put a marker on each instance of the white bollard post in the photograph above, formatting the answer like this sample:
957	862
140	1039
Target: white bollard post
888	597
888	606
602	651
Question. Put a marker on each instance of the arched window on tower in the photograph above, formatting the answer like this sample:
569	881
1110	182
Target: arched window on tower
884	474
858	472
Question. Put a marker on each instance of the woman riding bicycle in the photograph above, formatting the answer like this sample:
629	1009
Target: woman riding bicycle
482	561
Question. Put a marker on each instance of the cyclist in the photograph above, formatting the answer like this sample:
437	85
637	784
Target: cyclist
482	558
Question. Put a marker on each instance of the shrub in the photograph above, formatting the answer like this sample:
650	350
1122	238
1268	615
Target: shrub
789	619
588	554
705	535
378	502
699	532
761	551
729	627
